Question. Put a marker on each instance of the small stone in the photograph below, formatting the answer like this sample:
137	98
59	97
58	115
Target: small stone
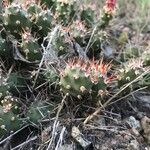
133	123
67	147
101	121
134	145
76	134
145	123
134	132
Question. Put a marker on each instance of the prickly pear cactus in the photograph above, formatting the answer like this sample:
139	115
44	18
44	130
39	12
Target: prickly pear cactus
146	58
87	16
48	3
109	10
15	19
61	42
65	10
4	88
33	10
75	81
4	49
42	19
82	77
44	22
30	47
130	71
9	120
37	111
16	83
126	77
51	74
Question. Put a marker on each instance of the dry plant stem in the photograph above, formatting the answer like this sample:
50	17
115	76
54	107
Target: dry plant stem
105	128
87	47
9	137
112	129
10	70
126	96
56	123
59	143
24	143
50	37
109	101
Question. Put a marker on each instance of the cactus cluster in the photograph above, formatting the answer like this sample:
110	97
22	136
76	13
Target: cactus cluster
9	118
27	24
15	19
14	84
27	35
58	44
81	77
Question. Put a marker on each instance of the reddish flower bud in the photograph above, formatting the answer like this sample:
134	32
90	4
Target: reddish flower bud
110	6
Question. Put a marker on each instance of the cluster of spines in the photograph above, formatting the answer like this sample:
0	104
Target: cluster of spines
80	77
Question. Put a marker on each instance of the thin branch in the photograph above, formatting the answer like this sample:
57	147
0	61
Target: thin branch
108	102
50	37
9	137
93	32
24	143
56	123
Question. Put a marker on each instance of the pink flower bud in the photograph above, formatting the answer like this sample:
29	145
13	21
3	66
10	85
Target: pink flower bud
110	6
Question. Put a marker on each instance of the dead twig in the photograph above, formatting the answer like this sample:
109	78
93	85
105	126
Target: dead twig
9	137
60	140
24	143
56	123
93	32
47	51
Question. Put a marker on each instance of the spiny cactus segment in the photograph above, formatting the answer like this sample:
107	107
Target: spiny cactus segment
80	77
9	118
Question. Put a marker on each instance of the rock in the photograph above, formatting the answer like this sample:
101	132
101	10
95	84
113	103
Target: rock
107	50
143	102
67	147
133	123
76	134
134	145
134	132
101	121
145	123
45	134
